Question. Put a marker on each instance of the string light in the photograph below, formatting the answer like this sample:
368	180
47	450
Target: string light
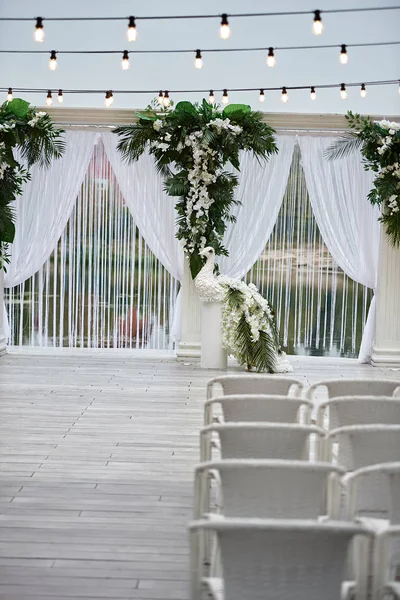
284	96
109	98
261	96
344	58
53	61
39	31
211	97
166	100
198	61
271	60
225	98
318	26
9	95
313	94
49	99
343	93
224	32
363	91
131	34
125	61
60	97
160	98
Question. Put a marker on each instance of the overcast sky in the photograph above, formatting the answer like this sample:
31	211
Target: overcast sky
305	67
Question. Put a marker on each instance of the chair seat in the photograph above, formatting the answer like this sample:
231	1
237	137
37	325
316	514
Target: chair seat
215	587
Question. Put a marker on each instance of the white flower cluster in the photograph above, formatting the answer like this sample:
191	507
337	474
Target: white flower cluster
158	125
392	126
7	126
255	309
3	165
393	204
37	116
221	124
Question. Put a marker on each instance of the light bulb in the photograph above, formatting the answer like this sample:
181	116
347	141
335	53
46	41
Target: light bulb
271	60
131	34
198	61
224	32
284	96
125	61
160	98
225	98
211	97
317	24
107	99
344	58
53	61
9	95
111	99
60	97
166	100
261	96
343	93
363	91
39	31
313	94
49	99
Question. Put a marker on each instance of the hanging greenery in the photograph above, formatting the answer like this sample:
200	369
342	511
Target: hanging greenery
379	143
33	136
191	145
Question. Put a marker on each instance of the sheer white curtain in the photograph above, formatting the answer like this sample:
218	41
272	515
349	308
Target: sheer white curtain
44	208
152	210
261	190
349	225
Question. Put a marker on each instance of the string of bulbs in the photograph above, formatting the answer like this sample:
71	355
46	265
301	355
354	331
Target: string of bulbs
164	96
198	58
225	32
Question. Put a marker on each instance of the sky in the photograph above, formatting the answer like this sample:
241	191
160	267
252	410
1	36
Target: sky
221	70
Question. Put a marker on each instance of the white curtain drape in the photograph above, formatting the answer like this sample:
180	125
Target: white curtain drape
349	225
43	210
261	190
152	210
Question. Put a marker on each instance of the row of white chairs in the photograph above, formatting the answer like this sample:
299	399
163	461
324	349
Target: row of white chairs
262	477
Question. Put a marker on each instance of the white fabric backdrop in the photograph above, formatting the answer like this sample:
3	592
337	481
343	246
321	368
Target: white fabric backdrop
349	225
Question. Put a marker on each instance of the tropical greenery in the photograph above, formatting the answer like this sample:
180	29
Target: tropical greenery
26	137
191	144
379	143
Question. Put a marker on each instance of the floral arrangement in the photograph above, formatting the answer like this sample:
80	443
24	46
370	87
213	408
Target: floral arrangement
248	327
191	144
379	143
38	141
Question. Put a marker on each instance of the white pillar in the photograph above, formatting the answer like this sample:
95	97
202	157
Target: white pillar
190	344
386	351
3	341
213	355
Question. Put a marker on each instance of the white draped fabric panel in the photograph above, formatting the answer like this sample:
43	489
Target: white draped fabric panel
261	189
349	225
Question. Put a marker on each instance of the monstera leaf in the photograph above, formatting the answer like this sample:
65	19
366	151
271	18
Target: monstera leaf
148	115
234	108
18	107
186	107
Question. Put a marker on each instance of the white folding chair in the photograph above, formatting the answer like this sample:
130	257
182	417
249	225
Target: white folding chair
386	576
359	410
278	560
257	408
255	384
260	440
355	387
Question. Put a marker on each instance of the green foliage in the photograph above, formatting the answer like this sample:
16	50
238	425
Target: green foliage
38	142
165	131
379	144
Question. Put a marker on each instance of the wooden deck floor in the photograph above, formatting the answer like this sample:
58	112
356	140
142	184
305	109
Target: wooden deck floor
96	459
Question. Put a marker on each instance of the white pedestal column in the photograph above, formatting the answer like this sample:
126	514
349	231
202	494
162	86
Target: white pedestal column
213	355
386	351
3	341
190	344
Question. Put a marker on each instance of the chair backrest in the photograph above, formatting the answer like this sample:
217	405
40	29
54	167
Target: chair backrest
275	489
361	410
375	492
363	445
260	407
355	387
255	384
282	560
265	440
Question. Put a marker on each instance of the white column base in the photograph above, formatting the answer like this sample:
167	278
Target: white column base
213	355
385	357
3	340
190	345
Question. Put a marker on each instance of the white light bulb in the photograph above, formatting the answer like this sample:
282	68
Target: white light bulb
343	93
166	100
39	31
344	58
261	96
131	34
53	61
60	97
225	99
49	99
111	98
125	61
224	32
363	91
284	96
9	95
313	94
318	27
211	97
160	98
198	61
271	60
